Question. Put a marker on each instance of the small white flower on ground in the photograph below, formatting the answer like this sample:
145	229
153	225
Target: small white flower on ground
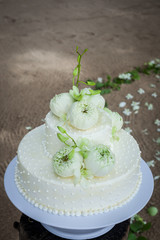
158	76
154	94
145	131
136	112
126	122
141	91
158	65
151	163
149	105
100	79
28	127
157	153
128	129
127	112
152	85
125	76
158	129
157	140
157	122
157	158
151	63
122	104
156	177
129	96
135	105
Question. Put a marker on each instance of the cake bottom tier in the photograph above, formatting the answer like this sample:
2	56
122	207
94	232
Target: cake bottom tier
36	180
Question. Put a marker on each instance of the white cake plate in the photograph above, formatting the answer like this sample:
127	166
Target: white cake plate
81	227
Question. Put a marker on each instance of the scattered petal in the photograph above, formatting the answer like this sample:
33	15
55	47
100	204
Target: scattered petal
152	85
127	112
151	63
129	96
157	153
145	131
158	129
158	76
28	127
141	91
157	158
156	177
136	112
154	94
157	122
135	105
128	129
126	76
157	140
151	163
149	105
126	122
122	104
99	79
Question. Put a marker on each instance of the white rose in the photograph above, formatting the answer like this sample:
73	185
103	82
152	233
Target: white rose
66	167
100	161
82	115
60	104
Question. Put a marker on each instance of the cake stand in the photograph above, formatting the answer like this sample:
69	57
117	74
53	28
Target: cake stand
81	227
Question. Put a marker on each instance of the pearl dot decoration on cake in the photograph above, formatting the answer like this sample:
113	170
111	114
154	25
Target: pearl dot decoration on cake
85	195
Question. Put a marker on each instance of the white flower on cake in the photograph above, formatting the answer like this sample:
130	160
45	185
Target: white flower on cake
83	115
100	161
61	104
96	100
67	162
117	122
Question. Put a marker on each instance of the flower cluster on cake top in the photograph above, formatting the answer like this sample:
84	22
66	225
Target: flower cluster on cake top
81	110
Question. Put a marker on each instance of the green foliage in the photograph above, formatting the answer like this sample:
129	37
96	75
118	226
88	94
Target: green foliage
62	130
137	227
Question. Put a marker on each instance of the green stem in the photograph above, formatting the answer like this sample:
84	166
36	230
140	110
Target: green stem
79	65
72	140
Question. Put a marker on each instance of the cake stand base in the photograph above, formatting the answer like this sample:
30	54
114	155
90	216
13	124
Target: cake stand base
77	234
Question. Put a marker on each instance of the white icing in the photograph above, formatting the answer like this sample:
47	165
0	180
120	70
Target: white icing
36	180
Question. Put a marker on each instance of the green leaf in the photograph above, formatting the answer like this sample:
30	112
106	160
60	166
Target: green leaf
99	85
95	92
109	77
62	138
71	154
105	91
76	48
152	211
146	227
106	104
132	236
136	226
62	130
90	83
141	238
75	71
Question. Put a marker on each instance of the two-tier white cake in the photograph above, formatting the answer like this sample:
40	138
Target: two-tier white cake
81	161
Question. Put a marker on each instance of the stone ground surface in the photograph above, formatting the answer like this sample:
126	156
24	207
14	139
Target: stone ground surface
37	44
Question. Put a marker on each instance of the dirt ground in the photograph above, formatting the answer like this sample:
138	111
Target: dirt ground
37	57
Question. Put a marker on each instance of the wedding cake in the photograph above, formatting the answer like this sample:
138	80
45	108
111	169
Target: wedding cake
81	161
